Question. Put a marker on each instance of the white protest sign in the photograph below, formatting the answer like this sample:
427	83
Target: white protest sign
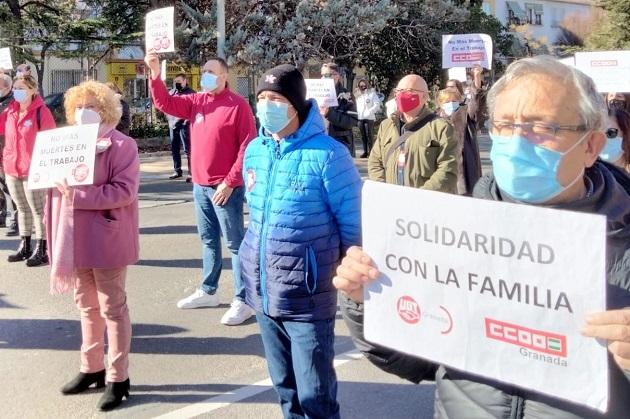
160	30
457	73
570	61
323	91
390	107
5	59
495	289
467	50
610	70
63	153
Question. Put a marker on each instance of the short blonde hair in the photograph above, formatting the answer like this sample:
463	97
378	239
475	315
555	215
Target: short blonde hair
448	95
29	81
108	104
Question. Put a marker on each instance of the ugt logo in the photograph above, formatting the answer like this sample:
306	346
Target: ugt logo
537	340
408	309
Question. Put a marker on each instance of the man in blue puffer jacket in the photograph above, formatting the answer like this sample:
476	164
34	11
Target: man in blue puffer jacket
303	192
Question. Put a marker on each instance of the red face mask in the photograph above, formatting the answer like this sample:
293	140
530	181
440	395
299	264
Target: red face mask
407	101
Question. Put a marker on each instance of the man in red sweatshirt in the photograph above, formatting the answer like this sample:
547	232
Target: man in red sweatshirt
221	126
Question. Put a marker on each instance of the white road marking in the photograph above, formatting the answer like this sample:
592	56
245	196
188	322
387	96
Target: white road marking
242	393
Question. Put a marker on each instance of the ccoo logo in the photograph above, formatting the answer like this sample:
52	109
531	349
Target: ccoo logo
408	309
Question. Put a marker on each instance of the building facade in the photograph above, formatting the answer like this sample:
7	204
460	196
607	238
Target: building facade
543	17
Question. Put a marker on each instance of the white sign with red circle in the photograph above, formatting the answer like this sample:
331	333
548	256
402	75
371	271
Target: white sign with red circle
64	153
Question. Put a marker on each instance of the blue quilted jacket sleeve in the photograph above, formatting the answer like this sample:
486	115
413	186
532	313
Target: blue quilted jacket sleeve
342	184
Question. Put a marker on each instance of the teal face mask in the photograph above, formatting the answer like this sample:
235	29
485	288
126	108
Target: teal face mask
273	116
613	150
527	172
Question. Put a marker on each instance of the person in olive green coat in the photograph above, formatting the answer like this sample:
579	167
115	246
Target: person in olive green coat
414	147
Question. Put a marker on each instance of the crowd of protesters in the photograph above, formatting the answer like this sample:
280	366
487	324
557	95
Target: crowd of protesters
556	142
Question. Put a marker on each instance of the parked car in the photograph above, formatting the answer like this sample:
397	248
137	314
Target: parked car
55	104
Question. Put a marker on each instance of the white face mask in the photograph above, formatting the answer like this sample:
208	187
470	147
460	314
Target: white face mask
450	108
86	116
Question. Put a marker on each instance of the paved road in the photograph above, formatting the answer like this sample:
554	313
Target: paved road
183	363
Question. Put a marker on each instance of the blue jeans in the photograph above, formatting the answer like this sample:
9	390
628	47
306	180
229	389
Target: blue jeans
300	359
212	221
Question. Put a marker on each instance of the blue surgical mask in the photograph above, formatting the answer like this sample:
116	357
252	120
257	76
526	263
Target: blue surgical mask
450	108
613	150
273	116
208	82
525	171
20	95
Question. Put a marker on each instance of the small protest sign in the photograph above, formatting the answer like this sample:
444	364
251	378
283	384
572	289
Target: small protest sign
5	59
467	50
323	91
160	30
610	70
63	153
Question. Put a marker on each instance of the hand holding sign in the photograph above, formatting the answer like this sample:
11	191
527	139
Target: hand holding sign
614	326
64	188
160	30
355	270
153	62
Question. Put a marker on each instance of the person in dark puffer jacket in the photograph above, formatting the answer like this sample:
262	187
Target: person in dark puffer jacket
534	163
303	192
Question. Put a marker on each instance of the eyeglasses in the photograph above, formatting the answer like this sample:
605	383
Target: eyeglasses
612	132
539	133
407	90
329	75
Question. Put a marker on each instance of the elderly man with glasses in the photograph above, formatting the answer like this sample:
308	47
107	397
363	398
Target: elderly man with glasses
414	147
546	126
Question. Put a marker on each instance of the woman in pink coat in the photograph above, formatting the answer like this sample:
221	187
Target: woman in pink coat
23	119
93	231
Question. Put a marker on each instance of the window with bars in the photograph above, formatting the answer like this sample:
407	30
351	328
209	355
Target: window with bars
62	80
242	86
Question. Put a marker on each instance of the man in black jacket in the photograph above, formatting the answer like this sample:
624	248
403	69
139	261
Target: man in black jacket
547	124
342	118
179	129
8	210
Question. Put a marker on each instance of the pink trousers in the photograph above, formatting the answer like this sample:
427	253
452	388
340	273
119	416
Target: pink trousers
101	298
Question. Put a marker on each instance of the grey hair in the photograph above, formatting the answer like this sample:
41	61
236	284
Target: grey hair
590	103
6	79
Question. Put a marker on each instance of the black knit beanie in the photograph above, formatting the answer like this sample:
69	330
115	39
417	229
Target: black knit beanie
286	80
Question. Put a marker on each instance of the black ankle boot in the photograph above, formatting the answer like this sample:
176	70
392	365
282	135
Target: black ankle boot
113	395
39	256
83	381
23	252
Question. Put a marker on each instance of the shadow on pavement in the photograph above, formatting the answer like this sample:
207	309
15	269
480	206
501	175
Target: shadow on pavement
169	230
4	304
356	399
180	263
60	334
9	244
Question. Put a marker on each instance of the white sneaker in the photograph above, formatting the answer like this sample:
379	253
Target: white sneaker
199	299
237	314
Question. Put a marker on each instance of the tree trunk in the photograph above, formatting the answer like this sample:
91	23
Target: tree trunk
40	67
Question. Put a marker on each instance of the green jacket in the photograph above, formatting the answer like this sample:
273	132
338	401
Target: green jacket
430	154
